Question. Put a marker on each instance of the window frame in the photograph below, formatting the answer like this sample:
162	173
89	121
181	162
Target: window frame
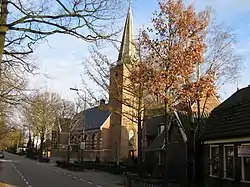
224	162
243	166
210	158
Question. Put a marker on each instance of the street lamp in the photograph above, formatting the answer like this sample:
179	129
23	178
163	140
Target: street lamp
85	102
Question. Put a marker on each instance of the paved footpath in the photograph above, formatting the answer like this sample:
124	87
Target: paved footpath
100	179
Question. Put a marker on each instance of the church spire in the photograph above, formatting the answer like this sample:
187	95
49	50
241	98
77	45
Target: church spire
127	48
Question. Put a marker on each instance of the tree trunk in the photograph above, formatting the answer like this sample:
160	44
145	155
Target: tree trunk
3	29
167	123
41	147
139	121
68	148
139	140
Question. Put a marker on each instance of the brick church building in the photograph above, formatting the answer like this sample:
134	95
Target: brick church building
105	133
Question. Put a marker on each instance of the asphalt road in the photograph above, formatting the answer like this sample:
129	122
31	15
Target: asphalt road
22	172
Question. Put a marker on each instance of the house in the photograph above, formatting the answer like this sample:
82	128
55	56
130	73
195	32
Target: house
179	148
104	131
226	140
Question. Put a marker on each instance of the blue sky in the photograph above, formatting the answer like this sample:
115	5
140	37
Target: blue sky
62	57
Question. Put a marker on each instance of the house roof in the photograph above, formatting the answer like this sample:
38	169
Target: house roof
95	117
231	118
152	125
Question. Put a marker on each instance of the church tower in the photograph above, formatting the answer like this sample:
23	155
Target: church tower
123	136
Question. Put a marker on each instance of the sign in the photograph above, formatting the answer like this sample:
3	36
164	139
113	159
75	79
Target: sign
244	151
82	145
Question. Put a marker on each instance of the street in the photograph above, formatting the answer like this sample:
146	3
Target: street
21	172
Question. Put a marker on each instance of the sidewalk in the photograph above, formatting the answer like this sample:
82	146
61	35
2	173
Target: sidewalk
103	179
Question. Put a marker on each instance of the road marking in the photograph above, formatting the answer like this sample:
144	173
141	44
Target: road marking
69	175
20	174
81	180
89	182
98	185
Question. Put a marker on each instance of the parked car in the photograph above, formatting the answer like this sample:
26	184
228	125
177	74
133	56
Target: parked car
1	154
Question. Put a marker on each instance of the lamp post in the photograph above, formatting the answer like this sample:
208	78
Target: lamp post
84	108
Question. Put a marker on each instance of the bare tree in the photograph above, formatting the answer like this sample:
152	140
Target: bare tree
41	113
69	124
24	23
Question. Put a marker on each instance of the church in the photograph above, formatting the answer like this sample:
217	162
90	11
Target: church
108	135
104	132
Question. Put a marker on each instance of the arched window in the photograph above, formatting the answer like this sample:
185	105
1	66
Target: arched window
131	137
93	140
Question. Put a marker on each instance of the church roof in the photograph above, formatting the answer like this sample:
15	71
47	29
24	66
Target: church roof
127	48
95	117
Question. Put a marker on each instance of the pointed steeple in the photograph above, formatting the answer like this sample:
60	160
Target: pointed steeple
127	49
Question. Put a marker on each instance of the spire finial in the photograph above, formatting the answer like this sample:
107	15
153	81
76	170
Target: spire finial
129	3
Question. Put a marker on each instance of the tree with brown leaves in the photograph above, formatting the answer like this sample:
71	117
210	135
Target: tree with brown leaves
174	51
192	56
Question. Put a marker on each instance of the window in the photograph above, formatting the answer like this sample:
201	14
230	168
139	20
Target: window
161	128
93	140
85	137
229	161
131	138
244	153
214	160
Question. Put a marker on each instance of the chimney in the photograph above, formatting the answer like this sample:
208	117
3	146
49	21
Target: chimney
102	102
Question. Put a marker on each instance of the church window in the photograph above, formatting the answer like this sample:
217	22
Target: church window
85	137
131	137
93	140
